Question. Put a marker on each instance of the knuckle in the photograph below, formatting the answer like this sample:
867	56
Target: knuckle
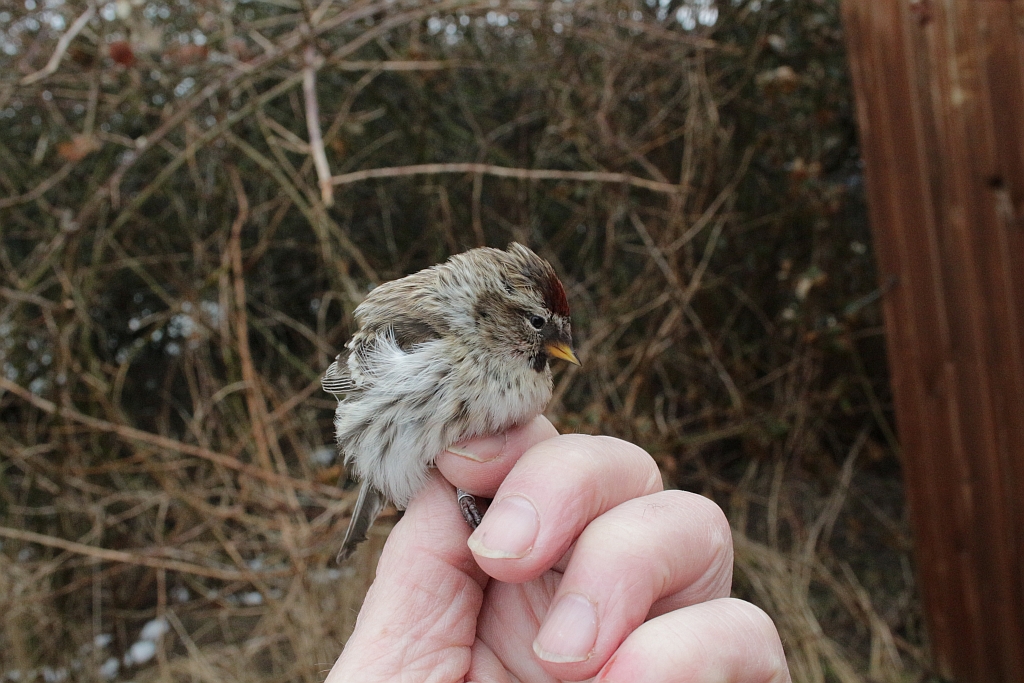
772	660
708	511
638	461
750	613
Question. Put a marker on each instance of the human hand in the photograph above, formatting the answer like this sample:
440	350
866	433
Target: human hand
583	566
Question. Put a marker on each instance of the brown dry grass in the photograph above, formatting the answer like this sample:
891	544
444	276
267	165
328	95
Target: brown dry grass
195	200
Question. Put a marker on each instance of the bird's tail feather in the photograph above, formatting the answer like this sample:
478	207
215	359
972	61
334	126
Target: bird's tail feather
368	505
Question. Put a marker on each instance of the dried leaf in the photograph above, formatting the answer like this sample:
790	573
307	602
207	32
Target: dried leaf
78	147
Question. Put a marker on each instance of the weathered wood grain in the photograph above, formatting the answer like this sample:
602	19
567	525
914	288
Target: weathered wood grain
940	101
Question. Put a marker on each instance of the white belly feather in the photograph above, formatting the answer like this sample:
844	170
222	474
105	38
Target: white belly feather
409	407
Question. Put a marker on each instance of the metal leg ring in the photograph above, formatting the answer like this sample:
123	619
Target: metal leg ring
470	512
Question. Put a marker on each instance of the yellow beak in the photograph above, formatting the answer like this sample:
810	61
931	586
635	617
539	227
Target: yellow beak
563	351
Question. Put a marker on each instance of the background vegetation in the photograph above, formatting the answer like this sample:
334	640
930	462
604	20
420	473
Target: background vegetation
196	194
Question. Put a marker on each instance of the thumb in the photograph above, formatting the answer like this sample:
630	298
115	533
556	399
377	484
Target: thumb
420	614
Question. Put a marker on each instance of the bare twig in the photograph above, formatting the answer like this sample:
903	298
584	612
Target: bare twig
286	46
40	189
146	560
133	434
505	172
62	47
253	397
316	140
408	65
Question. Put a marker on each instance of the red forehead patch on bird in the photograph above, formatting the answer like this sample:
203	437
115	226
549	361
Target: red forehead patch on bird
554	297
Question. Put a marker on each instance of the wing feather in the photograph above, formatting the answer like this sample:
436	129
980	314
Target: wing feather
337	380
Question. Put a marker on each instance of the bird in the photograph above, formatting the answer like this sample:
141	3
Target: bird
457	350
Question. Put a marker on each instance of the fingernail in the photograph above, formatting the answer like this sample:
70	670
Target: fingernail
481	449
569	633
508	530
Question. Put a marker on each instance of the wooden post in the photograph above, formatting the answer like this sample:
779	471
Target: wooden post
940	101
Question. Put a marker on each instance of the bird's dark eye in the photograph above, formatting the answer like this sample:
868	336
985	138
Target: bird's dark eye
537	321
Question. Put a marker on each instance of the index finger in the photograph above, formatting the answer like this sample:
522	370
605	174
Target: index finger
478	466
554	491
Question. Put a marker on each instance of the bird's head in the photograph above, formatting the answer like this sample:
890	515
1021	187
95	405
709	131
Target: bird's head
519	307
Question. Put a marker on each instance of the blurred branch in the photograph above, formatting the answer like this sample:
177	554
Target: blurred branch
62	47
316	140
168	169
253	398
408	65
40	189
505	172
285	46
140	559
130	433
317	221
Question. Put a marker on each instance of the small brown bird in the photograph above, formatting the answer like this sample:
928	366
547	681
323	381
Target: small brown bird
454	351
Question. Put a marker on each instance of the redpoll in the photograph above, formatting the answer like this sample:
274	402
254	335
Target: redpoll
454	351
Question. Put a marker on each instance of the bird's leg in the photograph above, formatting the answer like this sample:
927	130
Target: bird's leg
470	512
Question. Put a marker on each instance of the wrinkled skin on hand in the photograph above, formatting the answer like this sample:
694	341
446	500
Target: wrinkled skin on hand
583	567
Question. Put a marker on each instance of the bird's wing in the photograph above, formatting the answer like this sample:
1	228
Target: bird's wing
337	379
355	370
407	310
402	313
410	330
